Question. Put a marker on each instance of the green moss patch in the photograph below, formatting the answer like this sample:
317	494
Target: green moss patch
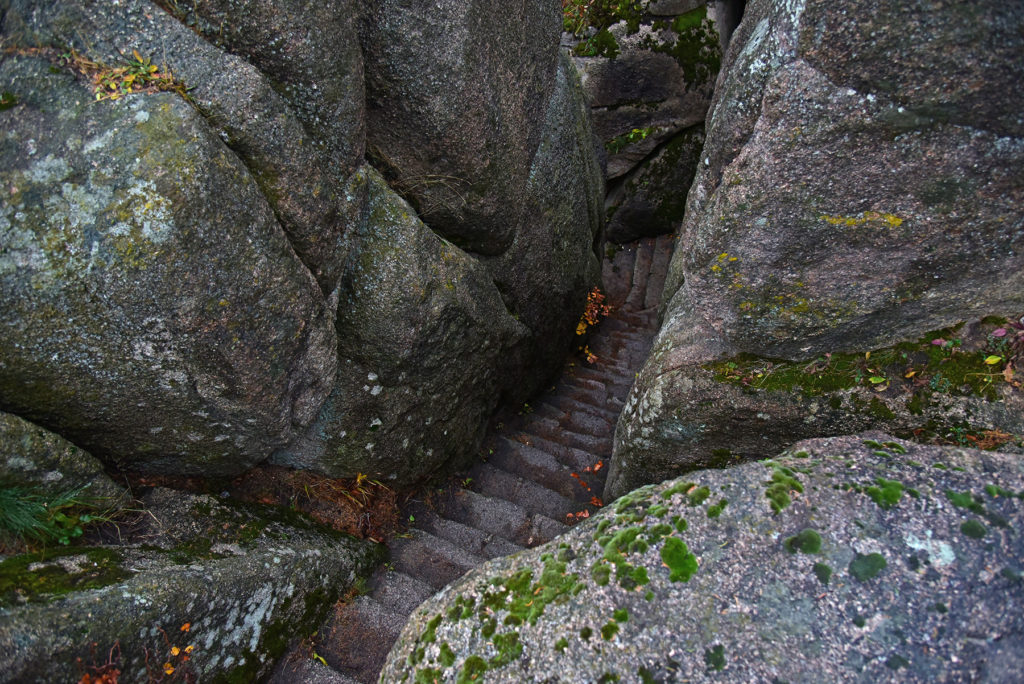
937	363
863	568
778	491
805	541
885	493
823	572
681	563
973	529
714	658
44	576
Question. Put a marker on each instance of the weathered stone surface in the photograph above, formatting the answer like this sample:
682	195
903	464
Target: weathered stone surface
886	560
423	338
303	177
884	241
154	311
650	200
546	272
833	215
38	459
281	85
659	83
231	584
744	406
309	51
456	95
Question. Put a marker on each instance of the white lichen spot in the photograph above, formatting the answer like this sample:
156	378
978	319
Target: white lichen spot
939	552
376	390
49	169
372	377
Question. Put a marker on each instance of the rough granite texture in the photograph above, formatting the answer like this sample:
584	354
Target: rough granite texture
261	169
650	199
885	561
837	212
154	311
411	304
648	101
456	95
552	263
306	181
235	585
38	459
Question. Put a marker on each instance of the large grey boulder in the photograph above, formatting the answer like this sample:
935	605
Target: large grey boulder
295	265
857	558
552	263
649	79
657	80
35	459
650	199
456	95
424	340
290	138
837	210
155	312
220	598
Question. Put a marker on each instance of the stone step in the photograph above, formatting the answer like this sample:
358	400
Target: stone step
541	466
575	459
641	273
569	404
432	560
477	542
300	666
534	497
617	274
551	430
397	591
357	637
502	518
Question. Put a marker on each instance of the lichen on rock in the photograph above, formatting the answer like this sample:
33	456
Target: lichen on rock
833	583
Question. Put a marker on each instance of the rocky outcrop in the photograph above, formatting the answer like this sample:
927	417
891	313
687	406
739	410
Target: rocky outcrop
155	313
648	70
456	96
40	461
836	211
222	594
410	304
852	558
241	204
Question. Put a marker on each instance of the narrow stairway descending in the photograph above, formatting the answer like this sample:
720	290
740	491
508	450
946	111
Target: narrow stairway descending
544	471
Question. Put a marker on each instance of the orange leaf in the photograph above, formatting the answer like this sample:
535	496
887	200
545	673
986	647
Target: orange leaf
185	627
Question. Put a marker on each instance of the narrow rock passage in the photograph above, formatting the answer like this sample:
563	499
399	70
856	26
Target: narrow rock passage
545	470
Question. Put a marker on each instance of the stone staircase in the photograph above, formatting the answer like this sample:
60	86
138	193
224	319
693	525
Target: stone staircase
545	470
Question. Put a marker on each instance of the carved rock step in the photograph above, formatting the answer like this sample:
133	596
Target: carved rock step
431	559
477	542
397	591
542	466
536	498
368	623
501	518
546	466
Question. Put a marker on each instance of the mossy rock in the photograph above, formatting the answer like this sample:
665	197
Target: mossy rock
832	585
231	592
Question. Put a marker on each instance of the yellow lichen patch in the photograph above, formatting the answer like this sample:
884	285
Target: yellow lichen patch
866	217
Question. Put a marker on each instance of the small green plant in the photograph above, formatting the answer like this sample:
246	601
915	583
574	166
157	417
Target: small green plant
620	142
136	74
28	517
